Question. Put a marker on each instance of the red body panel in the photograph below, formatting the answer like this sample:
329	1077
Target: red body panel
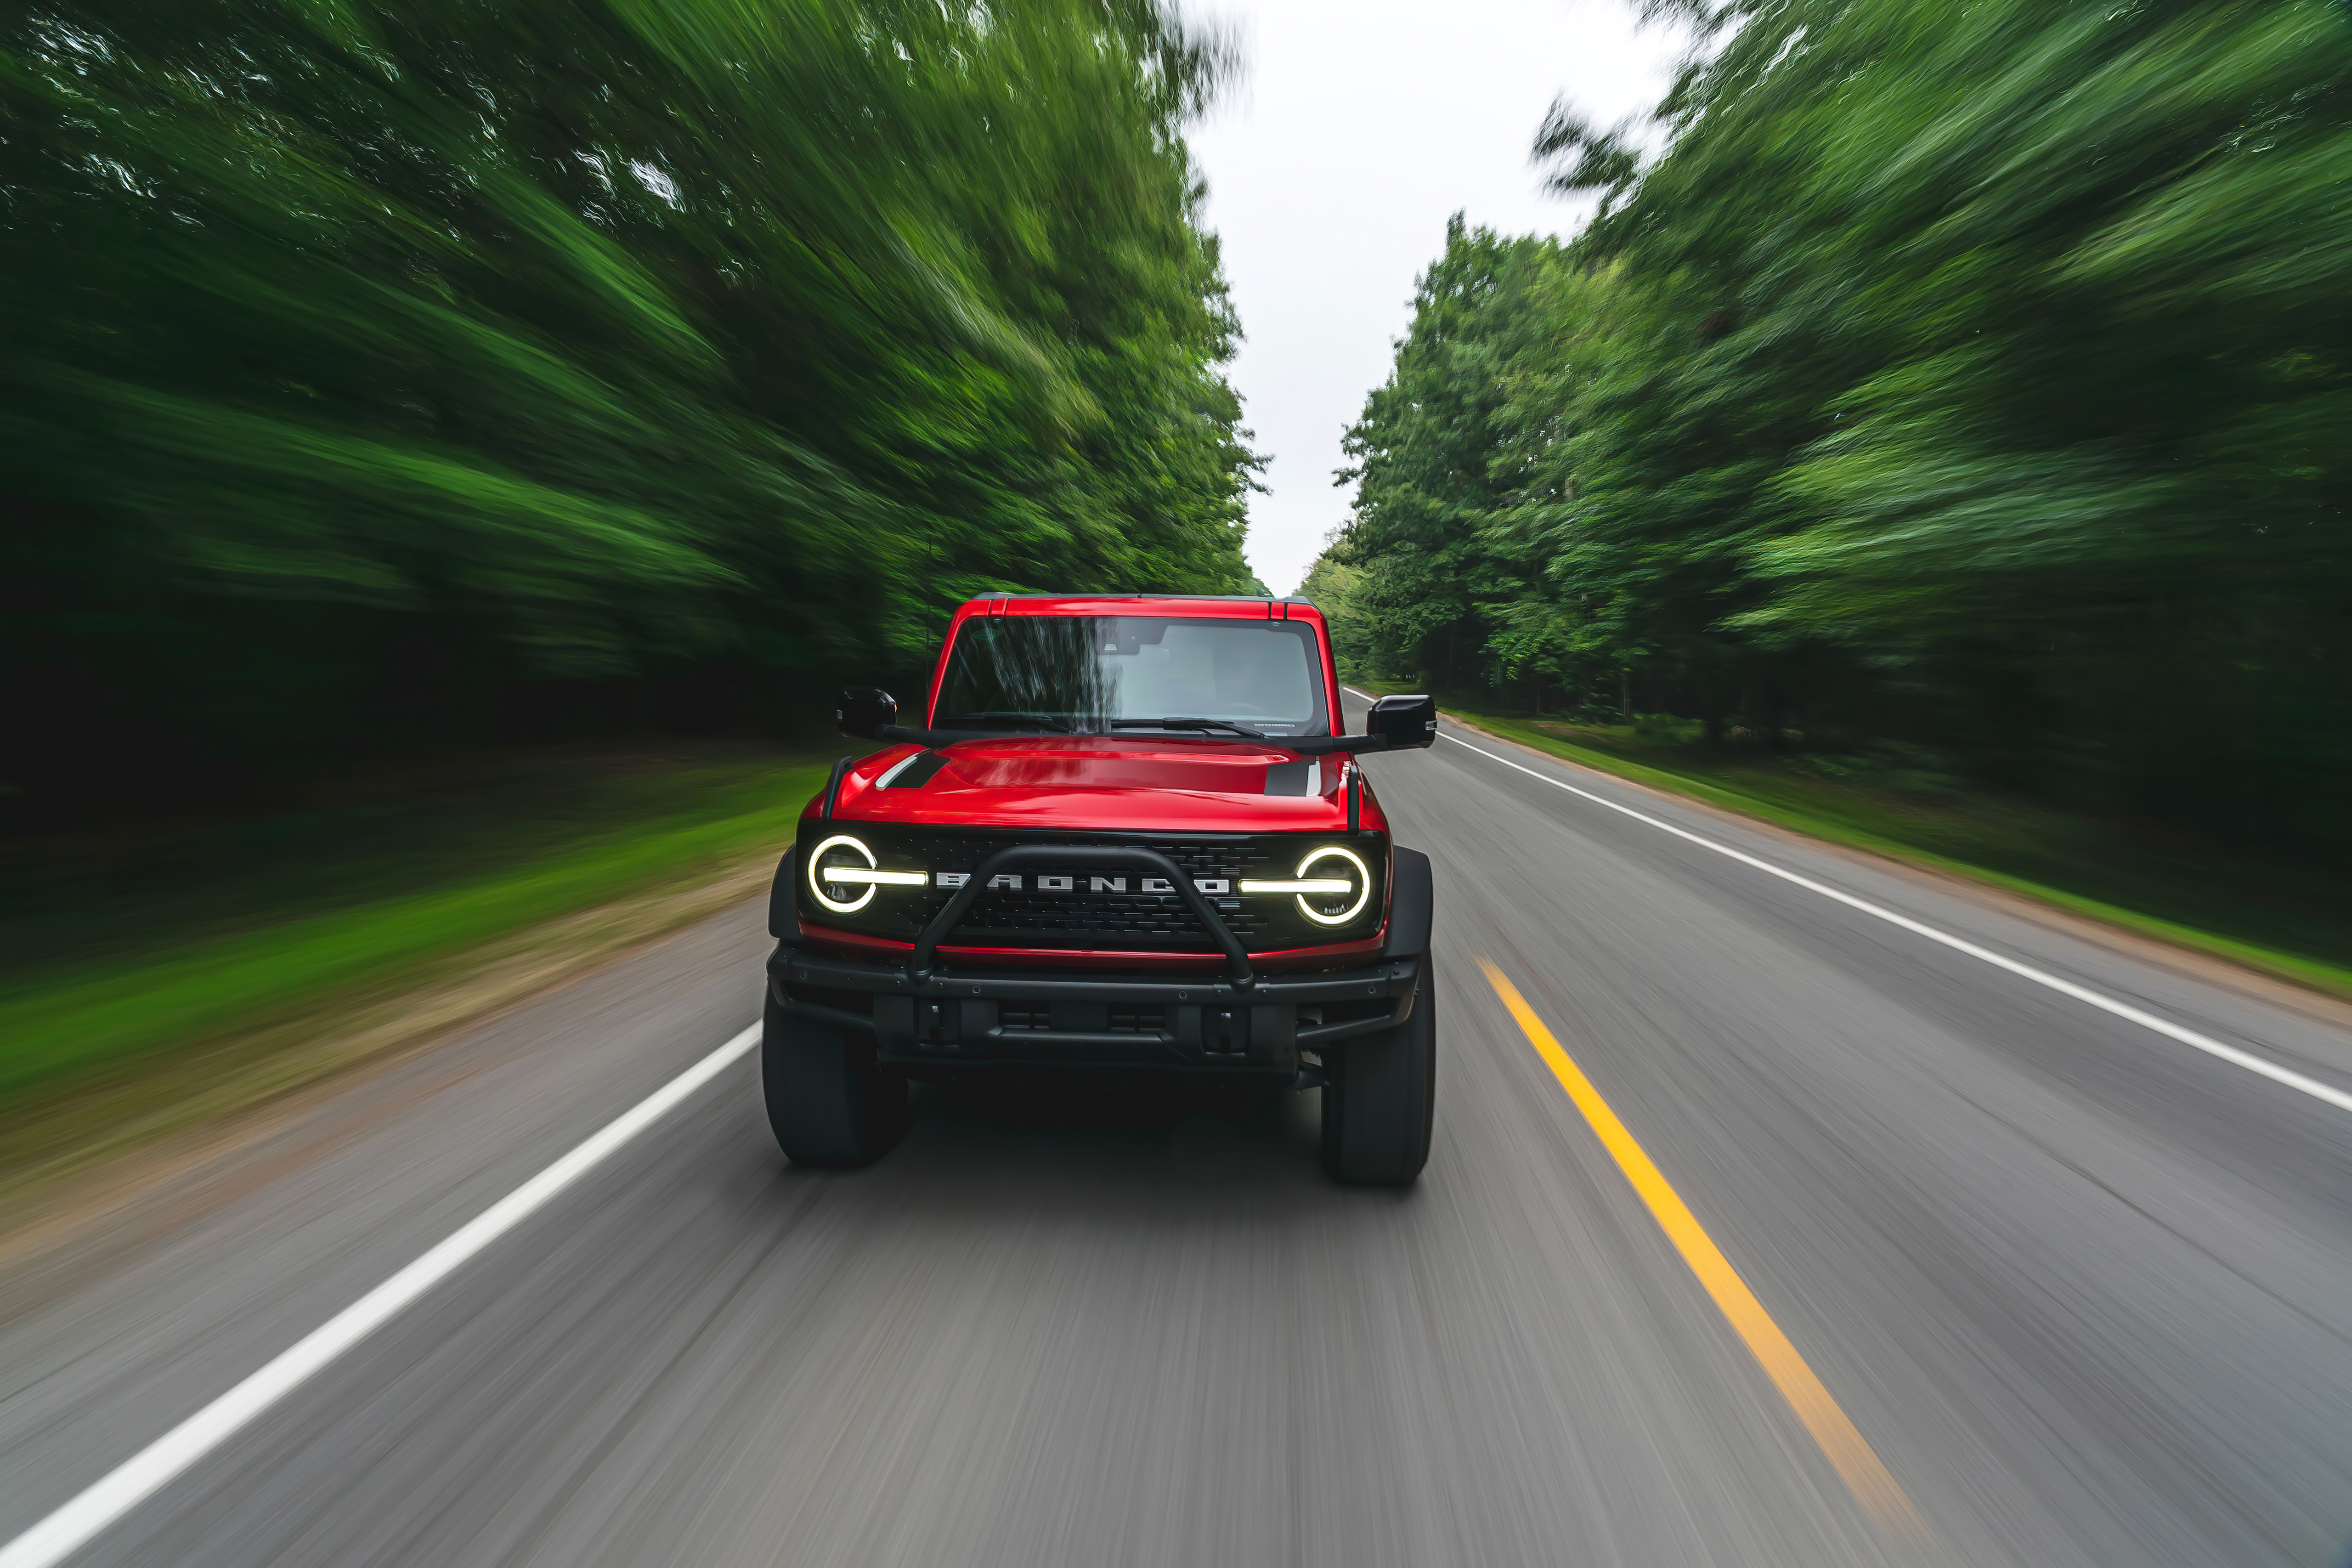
1109	783
1106	782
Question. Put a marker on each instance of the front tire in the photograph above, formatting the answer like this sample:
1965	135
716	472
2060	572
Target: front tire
1379	1099
827	1102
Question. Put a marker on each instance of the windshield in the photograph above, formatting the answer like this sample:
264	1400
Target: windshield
1090	674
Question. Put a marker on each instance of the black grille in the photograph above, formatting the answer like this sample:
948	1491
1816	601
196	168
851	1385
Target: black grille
1104	908
1154	920
1086	916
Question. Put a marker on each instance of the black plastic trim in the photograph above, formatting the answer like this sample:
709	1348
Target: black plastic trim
1000	1035
1323	745
796	965
783	919
1348	1029
1412	897
1263	1039
1284	1073
839	1018
833	786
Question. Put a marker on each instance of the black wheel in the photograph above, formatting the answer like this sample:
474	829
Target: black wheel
1380	1095
827	1101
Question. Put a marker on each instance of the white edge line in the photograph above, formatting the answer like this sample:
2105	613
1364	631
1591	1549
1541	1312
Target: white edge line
2165	1026
140	1476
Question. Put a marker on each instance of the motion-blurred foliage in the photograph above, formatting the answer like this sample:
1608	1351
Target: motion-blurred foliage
386	372
1976	375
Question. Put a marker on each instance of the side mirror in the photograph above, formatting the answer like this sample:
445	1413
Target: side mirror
1406	723
865	710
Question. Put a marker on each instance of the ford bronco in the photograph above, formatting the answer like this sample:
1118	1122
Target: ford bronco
1129	837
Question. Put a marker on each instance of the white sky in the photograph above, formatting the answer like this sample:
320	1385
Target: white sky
1358	127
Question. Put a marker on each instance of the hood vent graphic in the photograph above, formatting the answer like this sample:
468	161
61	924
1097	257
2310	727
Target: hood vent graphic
1290	778
915	771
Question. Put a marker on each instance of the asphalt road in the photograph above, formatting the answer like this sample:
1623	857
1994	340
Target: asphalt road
2083	1291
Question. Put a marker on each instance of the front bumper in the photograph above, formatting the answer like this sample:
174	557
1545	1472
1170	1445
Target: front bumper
1067	1020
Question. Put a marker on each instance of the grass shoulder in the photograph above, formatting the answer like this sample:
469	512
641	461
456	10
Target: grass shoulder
186	969
2280	920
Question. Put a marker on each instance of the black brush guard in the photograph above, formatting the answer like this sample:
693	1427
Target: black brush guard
922	1015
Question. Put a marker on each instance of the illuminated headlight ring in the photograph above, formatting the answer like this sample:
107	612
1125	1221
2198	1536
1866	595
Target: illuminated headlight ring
1363	885
816	864
871	874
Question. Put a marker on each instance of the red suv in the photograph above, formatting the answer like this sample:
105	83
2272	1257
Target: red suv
1129	837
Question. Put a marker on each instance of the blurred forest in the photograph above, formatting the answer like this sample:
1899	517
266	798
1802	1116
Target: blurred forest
403	374
1975	379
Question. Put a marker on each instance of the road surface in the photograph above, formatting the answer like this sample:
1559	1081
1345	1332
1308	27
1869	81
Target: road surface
2081	1293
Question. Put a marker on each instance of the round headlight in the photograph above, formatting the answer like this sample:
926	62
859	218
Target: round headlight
1363	885
816	869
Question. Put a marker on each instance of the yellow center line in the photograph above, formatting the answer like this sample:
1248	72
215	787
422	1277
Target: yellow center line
1806	1396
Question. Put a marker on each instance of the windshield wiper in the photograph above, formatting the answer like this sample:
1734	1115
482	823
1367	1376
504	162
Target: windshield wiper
1044	722
1197	725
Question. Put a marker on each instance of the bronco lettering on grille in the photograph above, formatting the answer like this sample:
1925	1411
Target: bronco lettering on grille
1012	879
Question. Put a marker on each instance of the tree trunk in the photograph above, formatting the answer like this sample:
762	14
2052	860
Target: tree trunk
1757	708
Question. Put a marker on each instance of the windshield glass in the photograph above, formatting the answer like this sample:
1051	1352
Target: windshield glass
1088	673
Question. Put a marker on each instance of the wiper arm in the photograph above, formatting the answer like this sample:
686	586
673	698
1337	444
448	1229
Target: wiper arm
1305	746
1044	721
1197	725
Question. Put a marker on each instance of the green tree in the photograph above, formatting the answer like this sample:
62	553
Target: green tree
1435	461
421	370
1331	585
1970	376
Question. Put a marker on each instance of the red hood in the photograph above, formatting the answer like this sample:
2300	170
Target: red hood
1177	785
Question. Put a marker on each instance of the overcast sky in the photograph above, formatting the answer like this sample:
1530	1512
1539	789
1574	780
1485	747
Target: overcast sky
1359	126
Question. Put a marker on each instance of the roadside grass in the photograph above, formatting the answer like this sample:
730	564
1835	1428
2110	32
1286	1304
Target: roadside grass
2279	918
125	953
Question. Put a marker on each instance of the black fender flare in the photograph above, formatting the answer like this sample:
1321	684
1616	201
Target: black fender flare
1411	897
784	921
